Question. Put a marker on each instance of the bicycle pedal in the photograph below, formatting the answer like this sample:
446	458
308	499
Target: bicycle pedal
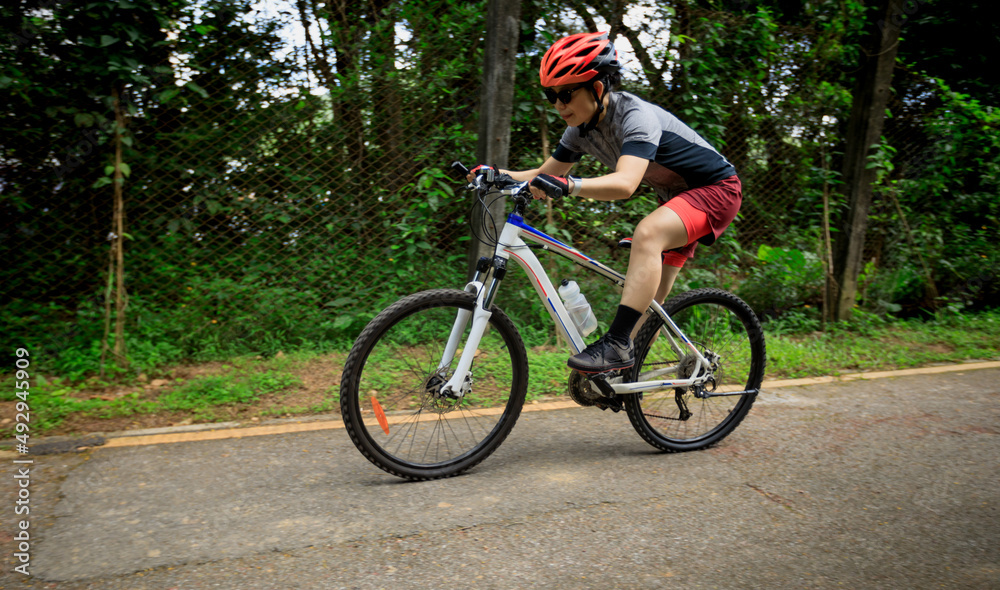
601	381
614	404
609	400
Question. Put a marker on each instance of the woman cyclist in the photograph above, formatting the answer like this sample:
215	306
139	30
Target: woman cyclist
698	189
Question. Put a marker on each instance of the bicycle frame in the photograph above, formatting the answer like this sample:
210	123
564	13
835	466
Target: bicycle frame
513	244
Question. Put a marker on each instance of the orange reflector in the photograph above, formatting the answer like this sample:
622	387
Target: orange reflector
380	415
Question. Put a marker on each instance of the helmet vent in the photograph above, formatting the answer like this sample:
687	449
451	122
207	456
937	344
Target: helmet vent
564	71
577	58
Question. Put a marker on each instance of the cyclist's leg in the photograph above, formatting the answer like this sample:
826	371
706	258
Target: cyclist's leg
663	229
667	277
695	226
673	225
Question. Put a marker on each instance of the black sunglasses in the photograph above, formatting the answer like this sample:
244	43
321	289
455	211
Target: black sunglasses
564	95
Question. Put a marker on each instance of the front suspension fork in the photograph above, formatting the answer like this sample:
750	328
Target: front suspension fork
460	382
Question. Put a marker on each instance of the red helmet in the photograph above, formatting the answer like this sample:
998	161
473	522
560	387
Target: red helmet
578	58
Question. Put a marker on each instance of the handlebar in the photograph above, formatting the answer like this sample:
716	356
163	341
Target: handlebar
554	191
458	170
488	179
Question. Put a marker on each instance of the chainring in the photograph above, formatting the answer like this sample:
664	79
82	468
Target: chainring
581	391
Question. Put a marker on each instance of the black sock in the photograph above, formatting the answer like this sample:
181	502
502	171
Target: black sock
621	328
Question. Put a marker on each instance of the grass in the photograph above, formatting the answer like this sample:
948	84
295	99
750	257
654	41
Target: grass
876	346
248	388
547	372
199	396
242	382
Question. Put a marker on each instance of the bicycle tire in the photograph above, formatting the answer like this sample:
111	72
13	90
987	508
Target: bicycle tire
394	362
714	320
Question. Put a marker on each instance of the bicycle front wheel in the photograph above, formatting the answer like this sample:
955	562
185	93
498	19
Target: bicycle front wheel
726	331
390	393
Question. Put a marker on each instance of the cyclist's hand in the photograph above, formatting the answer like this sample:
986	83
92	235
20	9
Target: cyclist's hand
481	169
548	186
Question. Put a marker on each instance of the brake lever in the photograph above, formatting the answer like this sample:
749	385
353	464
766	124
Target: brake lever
515	189
483	181
458	170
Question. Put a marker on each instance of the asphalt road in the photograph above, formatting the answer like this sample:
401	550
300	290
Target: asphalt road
889	483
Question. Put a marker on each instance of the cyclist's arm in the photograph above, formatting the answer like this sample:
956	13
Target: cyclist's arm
620	184
551	166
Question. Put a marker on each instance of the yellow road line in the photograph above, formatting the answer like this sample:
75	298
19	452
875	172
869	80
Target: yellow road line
175	437
880	375
156	439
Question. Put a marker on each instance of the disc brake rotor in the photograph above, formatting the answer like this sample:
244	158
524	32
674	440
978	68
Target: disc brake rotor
687	366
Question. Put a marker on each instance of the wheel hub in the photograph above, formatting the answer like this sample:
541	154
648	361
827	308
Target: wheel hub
687	366
442	399
434	384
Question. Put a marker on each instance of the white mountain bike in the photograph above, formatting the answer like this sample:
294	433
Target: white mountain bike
436	381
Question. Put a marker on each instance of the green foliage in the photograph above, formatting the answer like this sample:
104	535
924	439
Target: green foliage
952	41
794	321
782	278
54	401
273	207
224	389
870	343
548	370
51	403
948	213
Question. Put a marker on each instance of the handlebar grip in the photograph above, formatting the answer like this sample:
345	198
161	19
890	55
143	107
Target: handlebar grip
554	191
459	171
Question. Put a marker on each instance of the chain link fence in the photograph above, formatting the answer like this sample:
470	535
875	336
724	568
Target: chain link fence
274	201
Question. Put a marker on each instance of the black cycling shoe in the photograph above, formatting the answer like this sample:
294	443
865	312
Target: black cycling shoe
603	356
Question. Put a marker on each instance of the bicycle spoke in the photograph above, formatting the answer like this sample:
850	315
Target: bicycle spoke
722	328
401	371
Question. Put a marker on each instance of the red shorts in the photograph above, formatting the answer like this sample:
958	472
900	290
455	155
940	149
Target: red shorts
706	212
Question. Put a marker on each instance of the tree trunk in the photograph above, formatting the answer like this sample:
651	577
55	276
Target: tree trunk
678	77
343	44
871	93
503	27
388	108
116	266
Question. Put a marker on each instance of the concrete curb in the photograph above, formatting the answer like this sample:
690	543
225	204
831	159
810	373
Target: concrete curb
202	432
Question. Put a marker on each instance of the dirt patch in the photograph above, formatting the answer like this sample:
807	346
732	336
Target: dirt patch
317	393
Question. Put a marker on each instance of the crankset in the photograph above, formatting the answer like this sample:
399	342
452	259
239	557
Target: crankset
585	393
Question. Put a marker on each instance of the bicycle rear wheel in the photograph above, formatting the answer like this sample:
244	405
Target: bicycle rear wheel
390	391
721	326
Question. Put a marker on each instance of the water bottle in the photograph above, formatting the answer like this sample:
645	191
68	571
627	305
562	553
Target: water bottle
577	306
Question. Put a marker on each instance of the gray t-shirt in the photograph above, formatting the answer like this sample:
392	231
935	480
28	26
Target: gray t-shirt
679	158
